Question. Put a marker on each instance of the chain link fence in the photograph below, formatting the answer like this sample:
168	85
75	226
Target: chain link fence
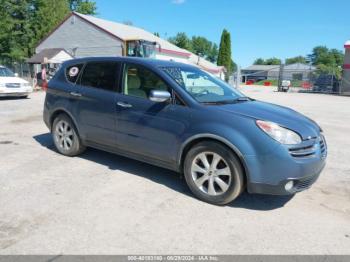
296	77
23	70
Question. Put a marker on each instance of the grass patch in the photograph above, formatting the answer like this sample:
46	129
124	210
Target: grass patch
261	82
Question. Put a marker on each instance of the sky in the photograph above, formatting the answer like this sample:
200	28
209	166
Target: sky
259	28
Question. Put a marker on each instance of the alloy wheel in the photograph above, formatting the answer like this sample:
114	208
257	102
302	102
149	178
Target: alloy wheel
64	135
210	173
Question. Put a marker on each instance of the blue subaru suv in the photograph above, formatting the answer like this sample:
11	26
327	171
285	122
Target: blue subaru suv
179	117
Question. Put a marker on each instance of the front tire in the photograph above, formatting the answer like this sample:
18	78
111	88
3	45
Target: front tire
213	173
65	136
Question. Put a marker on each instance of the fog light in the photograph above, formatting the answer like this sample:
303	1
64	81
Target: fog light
289	185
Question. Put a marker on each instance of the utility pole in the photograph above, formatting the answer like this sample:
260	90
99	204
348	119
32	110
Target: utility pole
280	78
238	77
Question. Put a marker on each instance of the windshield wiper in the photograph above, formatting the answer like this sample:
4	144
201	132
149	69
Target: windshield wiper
243	99
231	101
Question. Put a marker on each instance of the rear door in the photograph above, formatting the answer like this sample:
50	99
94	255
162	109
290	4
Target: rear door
97	102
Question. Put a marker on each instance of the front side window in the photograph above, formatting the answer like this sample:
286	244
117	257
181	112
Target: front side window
102	75
202	86
5	72
139	81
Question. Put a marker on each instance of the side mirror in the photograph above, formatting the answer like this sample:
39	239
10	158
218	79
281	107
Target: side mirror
159	96
16	74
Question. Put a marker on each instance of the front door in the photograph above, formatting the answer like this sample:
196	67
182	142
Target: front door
148	128
97	103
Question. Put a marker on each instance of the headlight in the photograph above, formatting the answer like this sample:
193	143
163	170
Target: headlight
280	134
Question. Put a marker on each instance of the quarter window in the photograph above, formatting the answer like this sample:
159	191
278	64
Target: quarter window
72	73
102	75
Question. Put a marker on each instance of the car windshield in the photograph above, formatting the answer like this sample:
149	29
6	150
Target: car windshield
5	72
203	87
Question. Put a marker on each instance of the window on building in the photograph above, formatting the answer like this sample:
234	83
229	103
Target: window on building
103	75
298	76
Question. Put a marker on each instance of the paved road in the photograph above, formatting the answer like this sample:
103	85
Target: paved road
101	203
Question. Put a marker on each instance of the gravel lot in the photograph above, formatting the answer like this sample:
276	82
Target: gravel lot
101	203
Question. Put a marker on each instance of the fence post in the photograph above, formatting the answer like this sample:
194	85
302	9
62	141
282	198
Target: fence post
280	78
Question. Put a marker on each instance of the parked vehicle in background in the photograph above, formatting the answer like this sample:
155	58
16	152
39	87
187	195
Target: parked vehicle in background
285	85
12	85
327	83
179	117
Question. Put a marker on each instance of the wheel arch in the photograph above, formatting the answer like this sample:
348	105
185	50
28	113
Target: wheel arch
192	141
59	111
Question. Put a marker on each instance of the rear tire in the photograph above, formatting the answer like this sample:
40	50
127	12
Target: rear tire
213	173
65	136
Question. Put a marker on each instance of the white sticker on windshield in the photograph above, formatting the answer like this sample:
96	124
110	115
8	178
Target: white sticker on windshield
73	71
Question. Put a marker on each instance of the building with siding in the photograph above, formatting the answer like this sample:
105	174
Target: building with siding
345	86
85	36
297	71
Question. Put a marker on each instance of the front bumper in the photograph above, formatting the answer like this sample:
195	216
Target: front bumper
300	184
14	94
302	165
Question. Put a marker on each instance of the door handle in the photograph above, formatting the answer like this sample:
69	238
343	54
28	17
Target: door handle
125	105
75	94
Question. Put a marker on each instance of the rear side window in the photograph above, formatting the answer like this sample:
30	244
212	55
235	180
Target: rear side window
102	75
72	72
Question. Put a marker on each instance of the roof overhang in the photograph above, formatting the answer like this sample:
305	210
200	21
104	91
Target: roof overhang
50	56
172	52
161	50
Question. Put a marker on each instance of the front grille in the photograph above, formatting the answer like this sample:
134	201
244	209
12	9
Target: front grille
306	151
304	183
311	149
323	146
13	85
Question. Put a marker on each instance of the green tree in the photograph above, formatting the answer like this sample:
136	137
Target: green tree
213	53
204	48
181	40
273	61
259	61
47	15
15	32
156	34
86	7
224	56
269	61
25	22
327	61
201	46
297	59
233	66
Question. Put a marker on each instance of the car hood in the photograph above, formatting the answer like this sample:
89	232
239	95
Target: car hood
283	116
14	79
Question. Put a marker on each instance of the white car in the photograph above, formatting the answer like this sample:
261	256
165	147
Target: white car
286	84
12	85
